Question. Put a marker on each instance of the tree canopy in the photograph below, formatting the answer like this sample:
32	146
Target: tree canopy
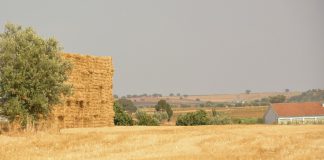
162	105
277	99
32	73
127	105
121	117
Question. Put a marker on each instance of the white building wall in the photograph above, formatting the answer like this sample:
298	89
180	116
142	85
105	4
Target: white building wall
270	116
301	120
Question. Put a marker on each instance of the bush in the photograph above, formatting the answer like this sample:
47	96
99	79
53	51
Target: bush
214	104
219	118
277	99
193	118
143	119
161	116
248	121
184	106
121	117
127	105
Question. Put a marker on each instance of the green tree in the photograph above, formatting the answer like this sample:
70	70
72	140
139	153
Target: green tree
277	99
121	117
32	73
247	91
193	118
127	105
219	118
162	106
143	119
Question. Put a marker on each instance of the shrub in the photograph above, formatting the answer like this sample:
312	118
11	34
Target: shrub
184	106
219	118
193	118
121	117
143	119
277	99
248	121
220	104
127	105
161	116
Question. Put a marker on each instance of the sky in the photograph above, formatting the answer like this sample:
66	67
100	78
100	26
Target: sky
188	46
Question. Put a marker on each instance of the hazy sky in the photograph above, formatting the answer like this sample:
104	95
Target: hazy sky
189	46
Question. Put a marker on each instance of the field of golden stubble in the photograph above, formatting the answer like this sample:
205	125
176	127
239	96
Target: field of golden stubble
170	143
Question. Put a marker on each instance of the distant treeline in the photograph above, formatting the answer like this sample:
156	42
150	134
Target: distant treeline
314	95
150	95
139	96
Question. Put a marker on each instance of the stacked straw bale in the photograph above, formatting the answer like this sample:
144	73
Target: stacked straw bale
91	102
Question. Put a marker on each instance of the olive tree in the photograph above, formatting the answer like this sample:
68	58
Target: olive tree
32	74
127	105
162	105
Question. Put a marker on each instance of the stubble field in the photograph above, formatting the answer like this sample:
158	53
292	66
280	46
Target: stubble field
170	143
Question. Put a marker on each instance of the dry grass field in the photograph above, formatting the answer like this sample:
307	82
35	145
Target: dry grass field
170	143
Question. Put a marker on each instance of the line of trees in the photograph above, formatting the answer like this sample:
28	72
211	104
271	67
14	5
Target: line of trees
313	95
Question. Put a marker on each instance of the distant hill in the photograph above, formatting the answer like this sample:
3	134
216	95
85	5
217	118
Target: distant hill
313	95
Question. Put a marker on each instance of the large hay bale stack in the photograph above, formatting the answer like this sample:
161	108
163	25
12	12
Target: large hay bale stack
91	104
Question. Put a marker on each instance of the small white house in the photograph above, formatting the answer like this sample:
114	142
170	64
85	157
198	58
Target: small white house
295	113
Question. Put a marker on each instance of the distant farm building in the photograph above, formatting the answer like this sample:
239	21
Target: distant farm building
91	102
295	113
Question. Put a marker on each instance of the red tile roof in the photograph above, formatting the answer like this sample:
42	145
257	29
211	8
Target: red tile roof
298	109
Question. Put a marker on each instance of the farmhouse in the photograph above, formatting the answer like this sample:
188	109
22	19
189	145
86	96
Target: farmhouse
295	113
91	102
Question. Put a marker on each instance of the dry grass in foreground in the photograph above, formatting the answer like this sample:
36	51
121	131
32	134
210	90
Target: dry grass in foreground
171	143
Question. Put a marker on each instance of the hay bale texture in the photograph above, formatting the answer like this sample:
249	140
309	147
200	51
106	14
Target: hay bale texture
91	102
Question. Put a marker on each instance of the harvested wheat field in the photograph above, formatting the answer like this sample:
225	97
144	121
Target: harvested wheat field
171	142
